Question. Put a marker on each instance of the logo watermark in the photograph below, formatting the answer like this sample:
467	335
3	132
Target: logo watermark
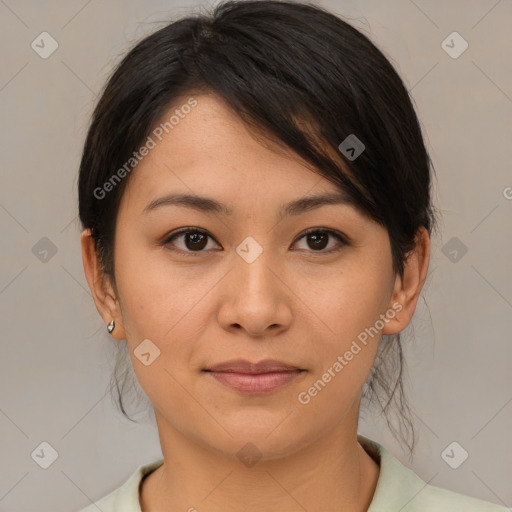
304	397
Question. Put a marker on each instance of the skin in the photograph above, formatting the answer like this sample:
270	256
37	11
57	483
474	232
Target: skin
295	303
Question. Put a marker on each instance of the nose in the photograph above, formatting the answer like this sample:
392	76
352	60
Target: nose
255	299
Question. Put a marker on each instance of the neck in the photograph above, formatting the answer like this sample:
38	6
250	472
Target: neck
332	473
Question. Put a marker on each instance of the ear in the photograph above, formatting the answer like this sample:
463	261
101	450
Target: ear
100	284
407	288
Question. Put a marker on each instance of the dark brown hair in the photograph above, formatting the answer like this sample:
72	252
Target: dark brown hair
282	66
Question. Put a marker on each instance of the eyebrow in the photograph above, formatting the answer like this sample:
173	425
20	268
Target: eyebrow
209	205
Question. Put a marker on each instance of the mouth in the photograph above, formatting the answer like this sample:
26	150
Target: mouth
254	378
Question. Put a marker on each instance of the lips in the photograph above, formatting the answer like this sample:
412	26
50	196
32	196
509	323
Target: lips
251	378
247	367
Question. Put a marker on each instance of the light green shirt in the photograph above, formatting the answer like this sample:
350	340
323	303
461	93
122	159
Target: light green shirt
398	489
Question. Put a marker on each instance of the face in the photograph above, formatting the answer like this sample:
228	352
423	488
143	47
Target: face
248	283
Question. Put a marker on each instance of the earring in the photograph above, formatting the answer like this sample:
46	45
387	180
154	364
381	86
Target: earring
111	326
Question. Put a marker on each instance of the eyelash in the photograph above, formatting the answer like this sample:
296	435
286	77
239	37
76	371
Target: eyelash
338	236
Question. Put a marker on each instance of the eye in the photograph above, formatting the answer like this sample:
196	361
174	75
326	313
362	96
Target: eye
317	239
194	239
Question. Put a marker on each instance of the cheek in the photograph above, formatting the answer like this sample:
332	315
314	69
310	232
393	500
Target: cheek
163	302
344	301
152	289
344	309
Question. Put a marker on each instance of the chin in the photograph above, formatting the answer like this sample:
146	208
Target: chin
251	442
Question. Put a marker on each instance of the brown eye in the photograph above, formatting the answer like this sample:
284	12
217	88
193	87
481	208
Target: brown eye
193	240
317	240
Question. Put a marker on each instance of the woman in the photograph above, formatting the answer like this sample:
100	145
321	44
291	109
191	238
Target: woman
255	197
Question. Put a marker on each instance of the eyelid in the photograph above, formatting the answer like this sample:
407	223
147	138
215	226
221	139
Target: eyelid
321	229
167	239
340	237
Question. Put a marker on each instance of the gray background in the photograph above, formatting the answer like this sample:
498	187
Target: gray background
56	354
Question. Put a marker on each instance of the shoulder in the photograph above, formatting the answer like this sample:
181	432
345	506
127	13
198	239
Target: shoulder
399	488
105	504
439	500
126	497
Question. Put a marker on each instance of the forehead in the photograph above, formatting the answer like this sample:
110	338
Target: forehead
210	151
